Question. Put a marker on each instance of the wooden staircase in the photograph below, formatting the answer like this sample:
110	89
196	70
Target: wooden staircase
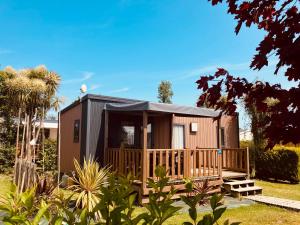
239	188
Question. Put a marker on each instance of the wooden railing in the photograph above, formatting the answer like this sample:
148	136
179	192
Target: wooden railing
235	159
125	161
180	163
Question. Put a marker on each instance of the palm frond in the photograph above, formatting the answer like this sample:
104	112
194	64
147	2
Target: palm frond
88	183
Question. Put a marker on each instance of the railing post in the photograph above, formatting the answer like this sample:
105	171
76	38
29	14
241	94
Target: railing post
248	162
220	164
186	163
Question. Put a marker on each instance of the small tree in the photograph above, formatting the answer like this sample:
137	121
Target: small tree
165	92
280	22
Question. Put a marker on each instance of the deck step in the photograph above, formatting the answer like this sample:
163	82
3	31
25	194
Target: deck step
247	189
238	193
235	184
239	188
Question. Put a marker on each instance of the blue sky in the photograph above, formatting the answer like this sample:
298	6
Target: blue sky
126	47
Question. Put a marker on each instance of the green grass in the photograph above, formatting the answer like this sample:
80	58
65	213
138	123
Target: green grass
280	190
256	214
5	184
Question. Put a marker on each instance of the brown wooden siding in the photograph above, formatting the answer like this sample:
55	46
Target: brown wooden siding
205	137
69	149
230	124
161	131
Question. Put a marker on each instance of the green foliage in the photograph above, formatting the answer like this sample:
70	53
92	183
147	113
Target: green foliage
64	212
165	92
48	157
256	118
45	186
88	183
20	208
7	158
160	202
279	165
197	196
115	202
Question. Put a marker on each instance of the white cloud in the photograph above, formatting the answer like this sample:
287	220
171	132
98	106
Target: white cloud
85	75
231	67
213	68
125	89
94	87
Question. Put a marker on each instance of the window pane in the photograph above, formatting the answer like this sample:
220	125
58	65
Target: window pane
149	136
178	136
128	135
222	137
76	131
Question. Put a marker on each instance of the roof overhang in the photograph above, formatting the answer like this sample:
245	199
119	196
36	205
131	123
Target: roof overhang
162	107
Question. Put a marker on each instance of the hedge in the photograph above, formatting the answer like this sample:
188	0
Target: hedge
7	158
281	163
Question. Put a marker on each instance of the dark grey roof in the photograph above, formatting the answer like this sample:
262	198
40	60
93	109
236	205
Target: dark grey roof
162	107
125	104
101	98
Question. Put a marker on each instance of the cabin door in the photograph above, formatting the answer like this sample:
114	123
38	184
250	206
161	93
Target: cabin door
178	136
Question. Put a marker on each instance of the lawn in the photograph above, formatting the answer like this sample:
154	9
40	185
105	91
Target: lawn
255	214
280	190
5	182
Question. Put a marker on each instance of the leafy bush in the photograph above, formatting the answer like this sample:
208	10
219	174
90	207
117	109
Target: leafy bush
160	206
91	178
280	164
7	158
115	205
20	208
49	156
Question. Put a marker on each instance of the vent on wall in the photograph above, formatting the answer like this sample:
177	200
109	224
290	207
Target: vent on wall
194	127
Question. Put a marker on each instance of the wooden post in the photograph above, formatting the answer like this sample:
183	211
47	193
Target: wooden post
171	131
220	154
144	153
105	137
42	125
248	163
58	148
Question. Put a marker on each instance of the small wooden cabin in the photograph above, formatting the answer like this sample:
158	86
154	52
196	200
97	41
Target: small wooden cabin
134	136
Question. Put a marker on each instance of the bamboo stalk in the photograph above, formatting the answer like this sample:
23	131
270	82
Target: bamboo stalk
17	146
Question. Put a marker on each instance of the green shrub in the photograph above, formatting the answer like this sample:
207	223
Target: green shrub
49	156
7	158
278	164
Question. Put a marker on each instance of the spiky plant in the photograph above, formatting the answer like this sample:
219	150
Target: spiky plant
89	180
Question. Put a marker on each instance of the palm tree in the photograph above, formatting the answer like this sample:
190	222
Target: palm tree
30	91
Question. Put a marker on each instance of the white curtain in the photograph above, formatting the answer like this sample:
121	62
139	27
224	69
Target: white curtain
178	136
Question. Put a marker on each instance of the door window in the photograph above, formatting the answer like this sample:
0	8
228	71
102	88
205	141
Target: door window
178	137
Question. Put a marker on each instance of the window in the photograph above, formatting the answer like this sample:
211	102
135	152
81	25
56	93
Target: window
178	136
222	137
47	133
128	133
150	143
76	131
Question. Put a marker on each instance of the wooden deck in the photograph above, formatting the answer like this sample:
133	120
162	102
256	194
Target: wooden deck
227	174
210	164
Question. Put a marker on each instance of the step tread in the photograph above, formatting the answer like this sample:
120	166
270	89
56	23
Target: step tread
238	182
244	189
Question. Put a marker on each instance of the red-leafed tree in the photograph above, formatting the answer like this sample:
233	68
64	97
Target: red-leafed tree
280	19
